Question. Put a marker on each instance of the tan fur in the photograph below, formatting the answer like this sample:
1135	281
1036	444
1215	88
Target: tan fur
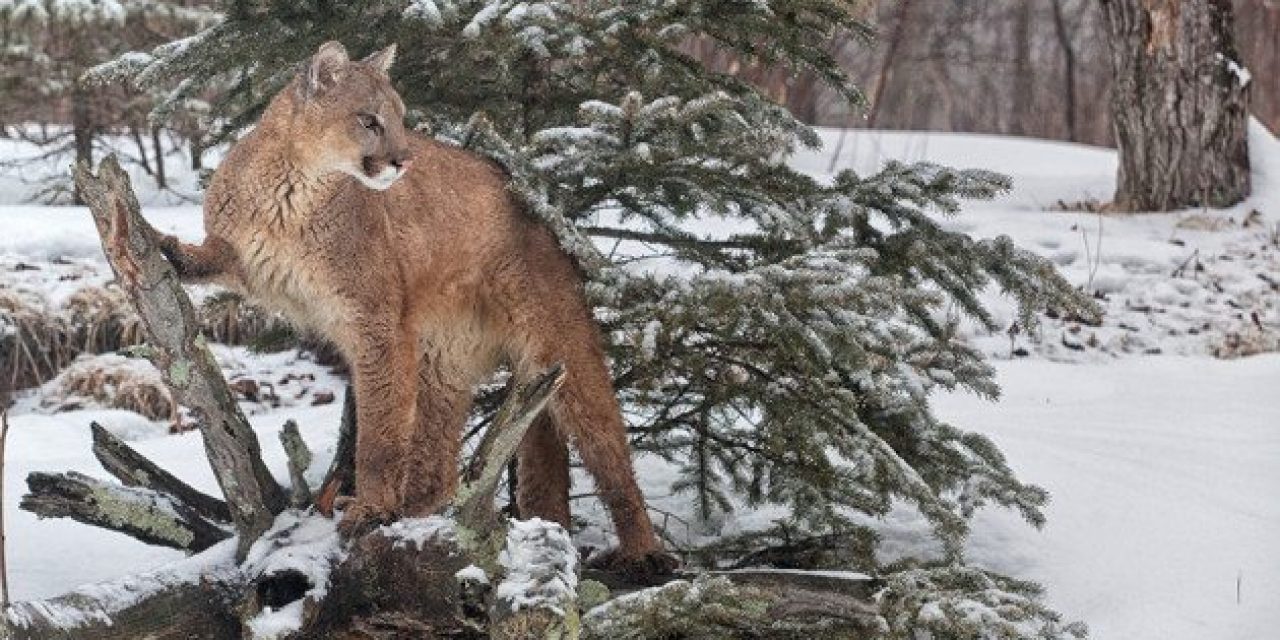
426	287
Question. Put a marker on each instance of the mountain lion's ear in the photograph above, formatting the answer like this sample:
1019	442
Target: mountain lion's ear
325	69
382	59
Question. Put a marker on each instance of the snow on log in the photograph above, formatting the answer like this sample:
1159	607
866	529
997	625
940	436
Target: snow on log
153	518
191	599
716	607
537	597
289	569
176	347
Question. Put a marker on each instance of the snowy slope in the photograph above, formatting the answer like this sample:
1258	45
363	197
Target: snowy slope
1165	469
1188	283
1165	475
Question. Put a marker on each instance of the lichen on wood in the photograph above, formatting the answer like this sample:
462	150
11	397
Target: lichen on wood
716	607
138	512
133	469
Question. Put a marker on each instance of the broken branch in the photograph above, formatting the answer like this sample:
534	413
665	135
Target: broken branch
299	459
146	515
179	351
522	405
341	479
134	470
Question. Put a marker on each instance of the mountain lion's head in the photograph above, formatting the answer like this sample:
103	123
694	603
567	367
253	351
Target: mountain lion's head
350	118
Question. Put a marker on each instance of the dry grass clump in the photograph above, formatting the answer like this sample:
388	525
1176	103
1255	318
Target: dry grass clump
100	319
30	344
115	382
38	340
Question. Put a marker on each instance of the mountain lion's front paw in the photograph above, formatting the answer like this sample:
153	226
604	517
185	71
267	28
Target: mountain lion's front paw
361	517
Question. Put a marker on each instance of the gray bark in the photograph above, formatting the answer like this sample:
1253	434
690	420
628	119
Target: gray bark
1024	77
299	459
1179	105
181	610
179	351
82	131
131	468
1068	68
151	517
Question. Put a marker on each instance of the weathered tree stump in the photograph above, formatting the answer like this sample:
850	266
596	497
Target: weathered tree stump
1180	104
176	347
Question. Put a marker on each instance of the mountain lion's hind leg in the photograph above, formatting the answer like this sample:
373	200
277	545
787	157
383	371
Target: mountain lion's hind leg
542	472
586	413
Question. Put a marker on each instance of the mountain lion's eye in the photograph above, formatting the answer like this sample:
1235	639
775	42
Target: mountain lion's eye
369	121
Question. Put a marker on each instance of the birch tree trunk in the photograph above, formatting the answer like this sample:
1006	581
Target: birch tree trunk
1180	102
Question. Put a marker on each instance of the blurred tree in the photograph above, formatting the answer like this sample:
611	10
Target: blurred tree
1180	102
45	45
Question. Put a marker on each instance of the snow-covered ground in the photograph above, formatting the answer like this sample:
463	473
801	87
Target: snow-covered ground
1165	475
1163	460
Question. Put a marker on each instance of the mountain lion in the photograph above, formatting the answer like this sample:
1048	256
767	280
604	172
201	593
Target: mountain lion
411	257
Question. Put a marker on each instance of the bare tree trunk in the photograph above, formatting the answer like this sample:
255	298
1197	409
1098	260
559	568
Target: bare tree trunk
882	79
1024	75
1180	103
81	131
142	149
4	562
197	156
158	144
886	68
1068	69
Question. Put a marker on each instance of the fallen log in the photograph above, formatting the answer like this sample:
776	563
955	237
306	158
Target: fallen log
410	579
192	599
149	516
421	577
714	606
